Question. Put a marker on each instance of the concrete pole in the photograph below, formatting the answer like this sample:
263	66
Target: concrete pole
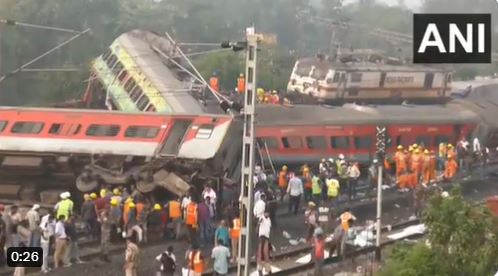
248	155
379	209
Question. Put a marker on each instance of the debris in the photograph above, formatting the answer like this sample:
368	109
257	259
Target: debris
286	235
415	229
412	217
302	240
293	242
396	205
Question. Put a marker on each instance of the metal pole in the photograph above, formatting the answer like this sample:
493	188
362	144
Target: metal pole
381	147
248	152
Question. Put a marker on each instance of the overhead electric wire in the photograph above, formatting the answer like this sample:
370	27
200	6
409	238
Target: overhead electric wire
43	55
11	22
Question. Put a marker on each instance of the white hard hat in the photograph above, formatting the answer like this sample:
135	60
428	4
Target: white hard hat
375	161
341	156
445	194
62	195
36	207
331	160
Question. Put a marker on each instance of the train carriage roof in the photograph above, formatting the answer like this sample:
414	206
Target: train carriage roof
484	100
139	44
362	115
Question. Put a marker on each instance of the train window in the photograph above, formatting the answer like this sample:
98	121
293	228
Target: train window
3	124
102	130
339	142
136	93
364	142
204	132
141	131
118	67
441	139
356	77
27	127
336	77
151	108
293	142
303	70
111	61
271	142
55	129
143	102
423	140
129	85
316	142
74	129
107	54
122	76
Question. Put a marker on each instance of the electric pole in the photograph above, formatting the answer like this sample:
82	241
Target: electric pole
381	148
248	152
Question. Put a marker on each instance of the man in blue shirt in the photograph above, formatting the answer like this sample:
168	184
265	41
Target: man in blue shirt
221	257
222	233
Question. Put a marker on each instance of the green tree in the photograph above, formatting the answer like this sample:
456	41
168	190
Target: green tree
463	241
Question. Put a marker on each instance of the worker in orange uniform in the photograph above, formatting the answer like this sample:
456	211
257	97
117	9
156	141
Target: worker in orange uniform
308	184
214	82
412	180
416	164
400	161
191	220
450	152
282	182
345	218
432	166
235	235
175	216
409	157
451	168
403	181
426	167
195	261
441	158
241	84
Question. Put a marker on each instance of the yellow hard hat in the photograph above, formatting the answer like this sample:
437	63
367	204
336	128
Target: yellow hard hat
157	207
415	146
410	148
306	169
131	204
400	147
241	75
417	151
450	145
103	192
114	201
93	195
129	199
426	151
284	167
116	191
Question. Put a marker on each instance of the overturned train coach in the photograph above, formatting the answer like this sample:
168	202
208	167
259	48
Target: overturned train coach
308	133
144	149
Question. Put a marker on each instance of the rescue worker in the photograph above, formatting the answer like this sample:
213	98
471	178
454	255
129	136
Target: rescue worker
342	171
332	190
234	236
241	84
126	211
114	217
451	168
416	163
316	189
89	215
441	158
142	214
403	182
154	223
283	182
426	168
102	202
116	194
261	95
400	161
345	217
195	261
275	99
409	157
432	166
65	206
307	180
105	234
450	152
311	219
412	180
191	219
214	82
175	216
131	256
353	173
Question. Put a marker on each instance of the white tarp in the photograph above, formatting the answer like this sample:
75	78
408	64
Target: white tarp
411	230
307	258
273	270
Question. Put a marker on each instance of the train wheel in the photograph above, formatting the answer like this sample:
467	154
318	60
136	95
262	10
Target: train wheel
86	185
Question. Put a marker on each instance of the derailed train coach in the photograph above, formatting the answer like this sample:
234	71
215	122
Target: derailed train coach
307	133
116	148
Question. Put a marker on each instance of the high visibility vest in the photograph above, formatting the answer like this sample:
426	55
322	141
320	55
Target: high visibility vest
213	82
191	218
235	232
282	179
65	208
316	187
196	263
332	187
345	217
174	209
241	85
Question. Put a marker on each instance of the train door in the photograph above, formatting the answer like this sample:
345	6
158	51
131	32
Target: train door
175	137
429	79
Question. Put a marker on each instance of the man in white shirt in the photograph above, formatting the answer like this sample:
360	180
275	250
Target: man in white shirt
47	226
476	145
161	260
33	221
209	192
264	226
260	207
295	189
60	241
185	202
